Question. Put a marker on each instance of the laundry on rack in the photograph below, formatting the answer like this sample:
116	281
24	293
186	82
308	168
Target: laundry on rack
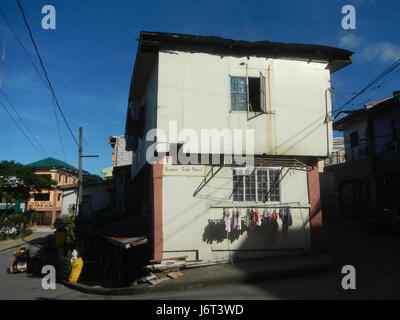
227	220
274	221
286	216
239	220
258	221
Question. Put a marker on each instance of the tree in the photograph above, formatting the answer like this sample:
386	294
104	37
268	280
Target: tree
17	182
89	178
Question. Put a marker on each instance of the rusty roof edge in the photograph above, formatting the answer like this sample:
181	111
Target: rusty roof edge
214	40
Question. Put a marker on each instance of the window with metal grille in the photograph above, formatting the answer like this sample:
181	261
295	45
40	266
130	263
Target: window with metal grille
41	196
256	185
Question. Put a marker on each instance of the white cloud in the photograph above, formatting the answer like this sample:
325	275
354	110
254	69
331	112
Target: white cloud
385	52
350	41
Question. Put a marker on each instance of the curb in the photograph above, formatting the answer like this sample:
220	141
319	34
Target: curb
18	244
234	278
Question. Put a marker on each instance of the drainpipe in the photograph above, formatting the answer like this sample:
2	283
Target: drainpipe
328	118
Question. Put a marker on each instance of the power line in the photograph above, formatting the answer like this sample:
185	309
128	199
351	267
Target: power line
23	122
39	74
381	76
23	47
58	128
23	132
44	70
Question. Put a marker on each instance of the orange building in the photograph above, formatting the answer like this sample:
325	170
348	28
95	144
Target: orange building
49	202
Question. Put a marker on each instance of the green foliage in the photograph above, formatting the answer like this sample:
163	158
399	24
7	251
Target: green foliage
17	180
19	221
69	222
90	178
64	269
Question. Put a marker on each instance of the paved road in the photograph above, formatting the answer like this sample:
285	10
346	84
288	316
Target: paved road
376	260
319	286
26	286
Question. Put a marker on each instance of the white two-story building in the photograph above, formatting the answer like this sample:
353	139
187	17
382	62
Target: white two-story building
266	100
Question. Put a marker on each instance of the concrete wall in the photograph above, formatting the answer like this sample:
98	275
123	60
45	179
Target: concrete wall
69	198
122	156
194	91
185	219
150	101
100	194
360	126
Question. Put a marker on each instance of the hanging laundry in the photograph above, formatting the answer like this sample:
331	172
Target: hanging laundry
235	221
254	219
249	218
239	219
268	216
258	219
286	216
274	221
227	221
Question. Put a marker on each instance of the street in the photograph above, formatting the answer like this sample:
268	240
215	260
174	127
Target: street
375	258
26	286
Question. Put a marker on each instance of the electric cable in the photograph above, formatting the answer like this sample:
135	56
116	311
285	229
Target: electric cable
23	122
45	72
19	127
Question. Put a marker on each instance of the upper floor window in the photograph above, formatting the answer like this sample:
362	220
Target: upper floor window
59	178
354	139
248	94
66	179
41	196
261	184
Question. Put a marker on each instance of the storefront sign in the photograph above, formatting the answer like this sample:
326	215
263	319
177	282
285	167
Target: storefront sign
41	204
184	170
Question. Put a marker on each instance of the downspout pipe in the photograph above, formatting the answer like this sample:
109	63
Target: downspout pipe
328	118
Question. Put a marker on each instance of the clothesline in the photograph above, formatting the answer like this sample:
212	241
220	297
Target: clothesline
293	205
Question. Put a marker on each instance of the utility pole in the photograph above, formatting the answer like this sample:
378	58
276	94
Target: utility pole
80	173
80	194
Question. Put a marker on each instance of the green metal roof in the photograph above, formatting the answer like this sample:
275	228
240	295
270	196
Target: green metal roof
50	163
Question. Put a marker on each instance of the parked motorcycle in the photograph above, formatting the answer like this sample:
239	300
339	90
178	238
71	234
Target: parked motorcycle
21	261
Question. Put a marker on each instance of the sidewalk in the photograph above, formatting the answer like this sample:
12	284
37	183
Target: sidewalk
239	272
10	244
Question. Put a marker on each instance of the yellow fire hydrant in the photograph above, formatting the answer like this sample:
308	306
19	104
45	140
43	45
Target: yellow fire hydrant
77	266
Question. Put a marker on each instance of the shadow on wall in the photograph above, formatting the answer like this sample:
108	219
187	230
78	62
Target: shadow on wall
253	237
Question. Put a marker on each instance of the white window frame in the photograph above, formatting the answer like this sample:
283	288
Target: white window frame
256	185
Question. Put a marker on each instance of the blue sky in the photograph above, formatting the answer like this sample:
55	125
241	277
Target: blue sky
90	57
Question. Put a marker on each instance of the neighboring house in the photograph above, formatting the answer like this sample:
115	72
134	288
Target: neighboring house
337	155
370	177
97	196
49	202
122	160
120	157
280	91
107	172
327	180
